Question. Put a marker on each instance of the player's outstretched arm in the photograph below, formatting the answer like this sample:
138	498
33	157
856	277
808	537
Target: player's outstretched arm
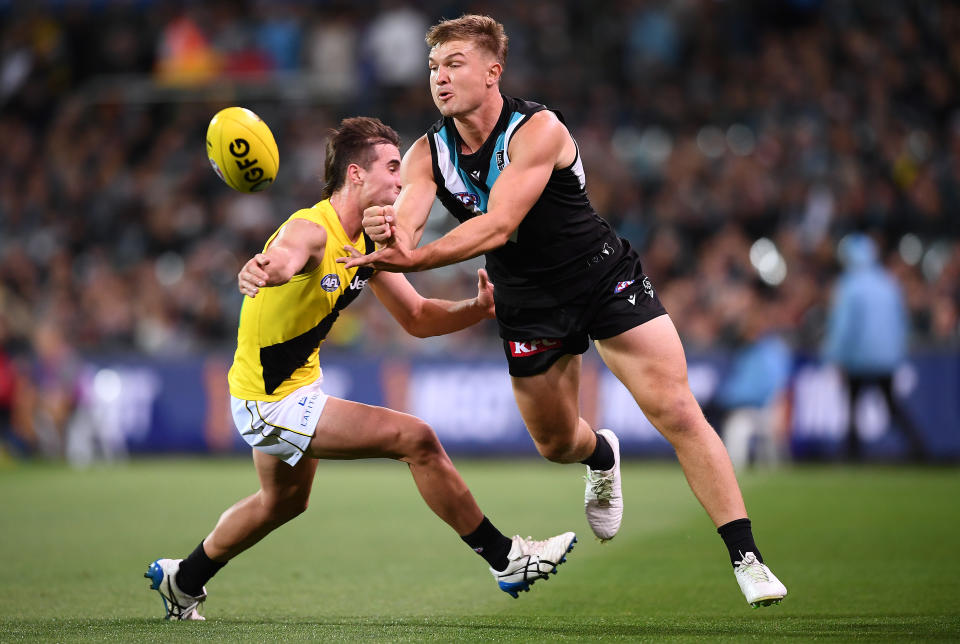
300	242
423	317
534	153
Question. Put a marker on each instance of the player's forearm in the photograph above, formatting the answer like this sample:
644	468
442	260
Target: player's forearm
468	240
439	317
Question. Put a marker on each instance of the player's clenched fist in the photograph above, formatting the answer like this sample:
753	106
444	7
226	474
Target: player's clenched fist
378	223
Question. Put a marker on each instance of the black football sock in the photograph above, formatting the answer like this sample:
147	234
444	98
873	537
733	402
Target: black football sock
602	457
739	539
196	570
489	543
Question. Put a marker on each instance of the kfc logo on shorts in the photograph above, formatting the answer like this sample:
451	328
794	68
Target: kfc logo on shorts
532	347
622	286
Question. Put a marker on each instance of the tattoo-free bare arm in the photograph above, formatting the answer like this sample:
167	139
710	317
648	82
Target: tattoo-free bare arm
423	317
298	244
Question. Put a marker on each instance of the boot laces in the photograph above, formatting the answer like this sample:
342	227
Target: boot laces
749	566
530	546
601	485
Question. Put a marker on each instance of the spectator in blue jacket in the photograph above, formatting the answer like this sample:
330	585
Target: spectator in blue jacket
754	388
867	333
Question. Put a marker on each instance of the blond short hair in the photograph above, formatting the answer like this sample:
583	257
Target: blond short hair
483	31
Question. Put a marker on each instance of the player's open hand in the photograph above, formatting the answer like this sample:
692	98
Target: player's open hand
253	275
379	223
485	292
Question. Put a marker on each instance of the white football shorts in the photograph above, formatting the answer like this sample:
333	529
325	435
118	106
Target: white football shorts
282	428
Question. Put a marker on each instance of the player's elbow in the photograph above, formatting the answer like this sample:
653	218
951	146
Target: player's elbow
282	274
501	232
279	278
414	323
418	332
418	328
502	235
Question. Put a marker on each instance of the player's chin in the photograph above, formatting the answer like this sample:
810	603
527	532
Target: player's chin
446	108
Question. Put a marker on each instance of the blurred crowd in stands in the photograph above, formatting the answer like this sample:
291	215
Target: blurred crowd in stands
734	143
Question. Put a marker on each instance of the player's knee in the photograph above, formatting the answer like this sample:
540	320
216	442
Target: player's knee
285	508
420	443
676	415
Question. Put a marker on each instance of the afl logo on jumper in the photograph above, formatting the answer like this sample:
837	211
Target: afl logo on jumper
330	282
468	199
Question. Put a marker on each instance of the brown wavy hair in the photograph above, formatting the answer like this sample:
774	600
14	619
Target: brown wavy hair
353	142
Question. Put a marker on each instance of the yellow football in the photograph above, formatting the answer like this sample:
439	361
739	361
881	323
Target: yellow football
241	149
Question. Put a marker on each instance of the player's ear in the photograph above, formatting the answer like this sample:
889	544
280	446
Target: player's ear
493	74
355	174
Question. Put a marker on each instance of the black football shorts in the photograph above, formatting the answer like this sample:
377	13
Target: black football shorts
535	338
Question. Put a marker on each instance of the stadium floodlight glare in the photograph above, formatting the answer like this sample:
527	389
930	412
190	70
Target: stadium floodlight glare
740	139
711	141
768	262
911	249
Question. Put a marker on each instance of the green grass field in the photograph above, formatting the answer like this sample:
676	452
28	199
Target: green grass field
868	554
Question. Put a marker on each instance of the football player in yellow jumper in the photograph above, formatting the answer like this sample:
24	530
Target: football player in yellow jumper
294	292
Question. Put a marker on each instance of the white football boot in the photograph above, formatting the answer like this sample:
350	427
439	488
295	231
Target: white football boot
603	499
759	585
530	560
179	605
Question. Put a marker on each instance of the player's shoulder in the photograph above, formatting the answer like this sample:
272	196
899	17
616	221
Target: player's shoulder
312	221
417	158
540	127
317	214
419	147
547	118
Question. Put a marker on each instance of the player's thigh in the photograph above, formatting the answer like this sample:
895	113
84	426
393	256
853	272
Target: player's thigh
280	482
549	401
350	430
649	360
